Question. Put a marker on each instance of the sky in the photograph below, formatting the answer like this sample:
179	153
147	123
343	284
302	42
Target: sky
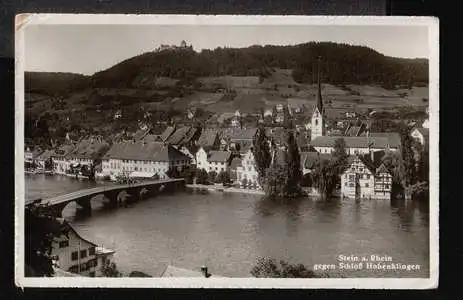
87	49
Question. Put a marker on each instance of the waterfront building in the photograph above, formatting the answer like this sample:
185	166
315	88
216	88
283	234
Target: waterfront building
309	160
44	161
214	160
59	158
421	135
246	173
366	177
86	154
75	254
151	158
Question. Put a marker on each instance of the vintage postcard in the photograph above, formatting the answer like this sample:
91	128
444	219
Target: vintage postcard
227	151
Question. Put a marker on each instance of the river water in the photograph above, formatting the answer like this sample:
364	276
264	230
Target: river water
227	232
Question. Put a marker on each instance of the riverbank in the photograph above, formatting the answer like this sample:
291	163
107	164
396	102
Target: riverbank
216	188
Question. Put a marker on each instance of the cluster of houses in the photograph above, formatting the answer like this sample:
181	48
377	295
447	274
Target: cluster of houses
147	155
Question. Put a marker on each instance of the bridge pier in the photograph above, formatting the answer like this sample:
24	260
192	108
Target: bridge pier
85	204
112	196
134	193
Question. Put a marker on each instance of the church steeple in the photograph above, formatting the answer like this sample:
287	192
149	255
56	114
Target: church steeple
319	91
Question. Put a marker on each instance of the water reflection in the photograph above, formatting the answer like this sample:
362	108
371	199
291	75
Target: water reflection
229	231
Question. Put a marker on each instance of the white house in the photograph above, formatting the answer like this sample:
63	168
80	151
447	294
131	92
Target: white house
150	158
421	135
87	152
246	173
61	165
73	253
363	180
217	161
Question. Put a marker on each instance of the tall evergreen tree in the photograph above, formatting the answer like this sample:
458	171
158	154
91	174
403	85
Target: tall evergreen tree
407	155
294	166
261	152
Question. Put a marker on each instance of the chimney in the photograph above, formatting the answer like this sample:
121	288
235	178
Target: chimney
204	272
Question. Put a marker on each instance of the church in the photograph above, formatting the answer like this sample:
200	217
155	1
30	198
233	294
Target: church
370	142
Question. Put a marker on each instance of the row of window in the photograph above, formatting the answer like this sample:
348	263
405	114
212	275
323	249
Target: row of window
245	176
84	266
377	187
83	253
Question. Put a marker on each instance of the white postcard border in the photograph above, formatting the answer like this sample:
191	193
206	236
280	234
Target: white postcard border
432	23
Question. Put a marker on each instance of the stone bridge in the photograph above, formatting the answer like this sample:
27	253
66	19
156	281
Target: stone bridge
117	194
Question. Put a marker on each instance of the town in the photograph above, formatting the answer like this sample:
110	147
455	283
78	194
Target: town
325	150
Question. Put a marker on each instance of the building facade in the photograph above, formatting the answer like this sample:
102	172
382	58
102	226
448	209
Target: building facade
151	158
363	180
246	173
217	161
73	253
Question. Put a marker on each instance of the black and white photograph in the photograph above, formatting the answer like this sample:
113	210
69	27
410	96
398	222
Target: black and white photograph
226	151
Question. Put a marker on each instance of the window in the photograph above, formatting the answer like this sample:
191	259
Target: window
345	184
366	184
91	251
74	255
73	269
64	244
361	169
92	274
368	176
83	253
316	121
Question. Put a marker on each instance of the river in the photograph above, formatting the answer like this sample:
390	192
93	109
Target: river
227	232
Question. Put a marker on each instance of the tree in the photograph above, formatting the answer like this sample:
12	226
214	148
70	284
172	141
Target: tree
173	172
201	177
109	269
393	161
407	154
224	178
41	229
325	177
211	176
270	268
261	152
292	187
138	274
188	173
276	180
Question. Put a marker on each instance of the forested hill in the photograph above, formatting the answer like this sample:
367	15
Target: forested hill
341	63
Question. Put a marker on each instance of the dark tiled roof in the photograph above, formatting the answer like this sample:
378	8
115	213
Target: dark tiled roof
152	138
167	133
169	153
236	162
45	155
394	138
208	138
239	134
219	156
89	149
309	159
134	150
64	150
353	142
140	134
181	135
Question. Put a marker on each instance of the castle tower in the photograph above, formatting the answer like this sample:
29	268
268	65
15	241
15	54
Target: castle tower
318	124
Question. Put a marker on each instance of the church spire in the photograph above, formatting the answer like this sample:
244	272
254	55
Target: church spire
319	91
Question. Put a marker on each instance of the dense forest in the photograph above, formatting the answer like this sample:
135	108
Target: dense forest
340	63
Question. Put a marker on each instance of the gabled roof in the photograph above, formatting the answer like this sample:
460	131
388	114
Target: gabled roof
393	137
152	138
64	150
309	159
239	134
208	138
169	153
236	162
45	155
423	131
89	149
181	135
167	133
138	150
219	156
